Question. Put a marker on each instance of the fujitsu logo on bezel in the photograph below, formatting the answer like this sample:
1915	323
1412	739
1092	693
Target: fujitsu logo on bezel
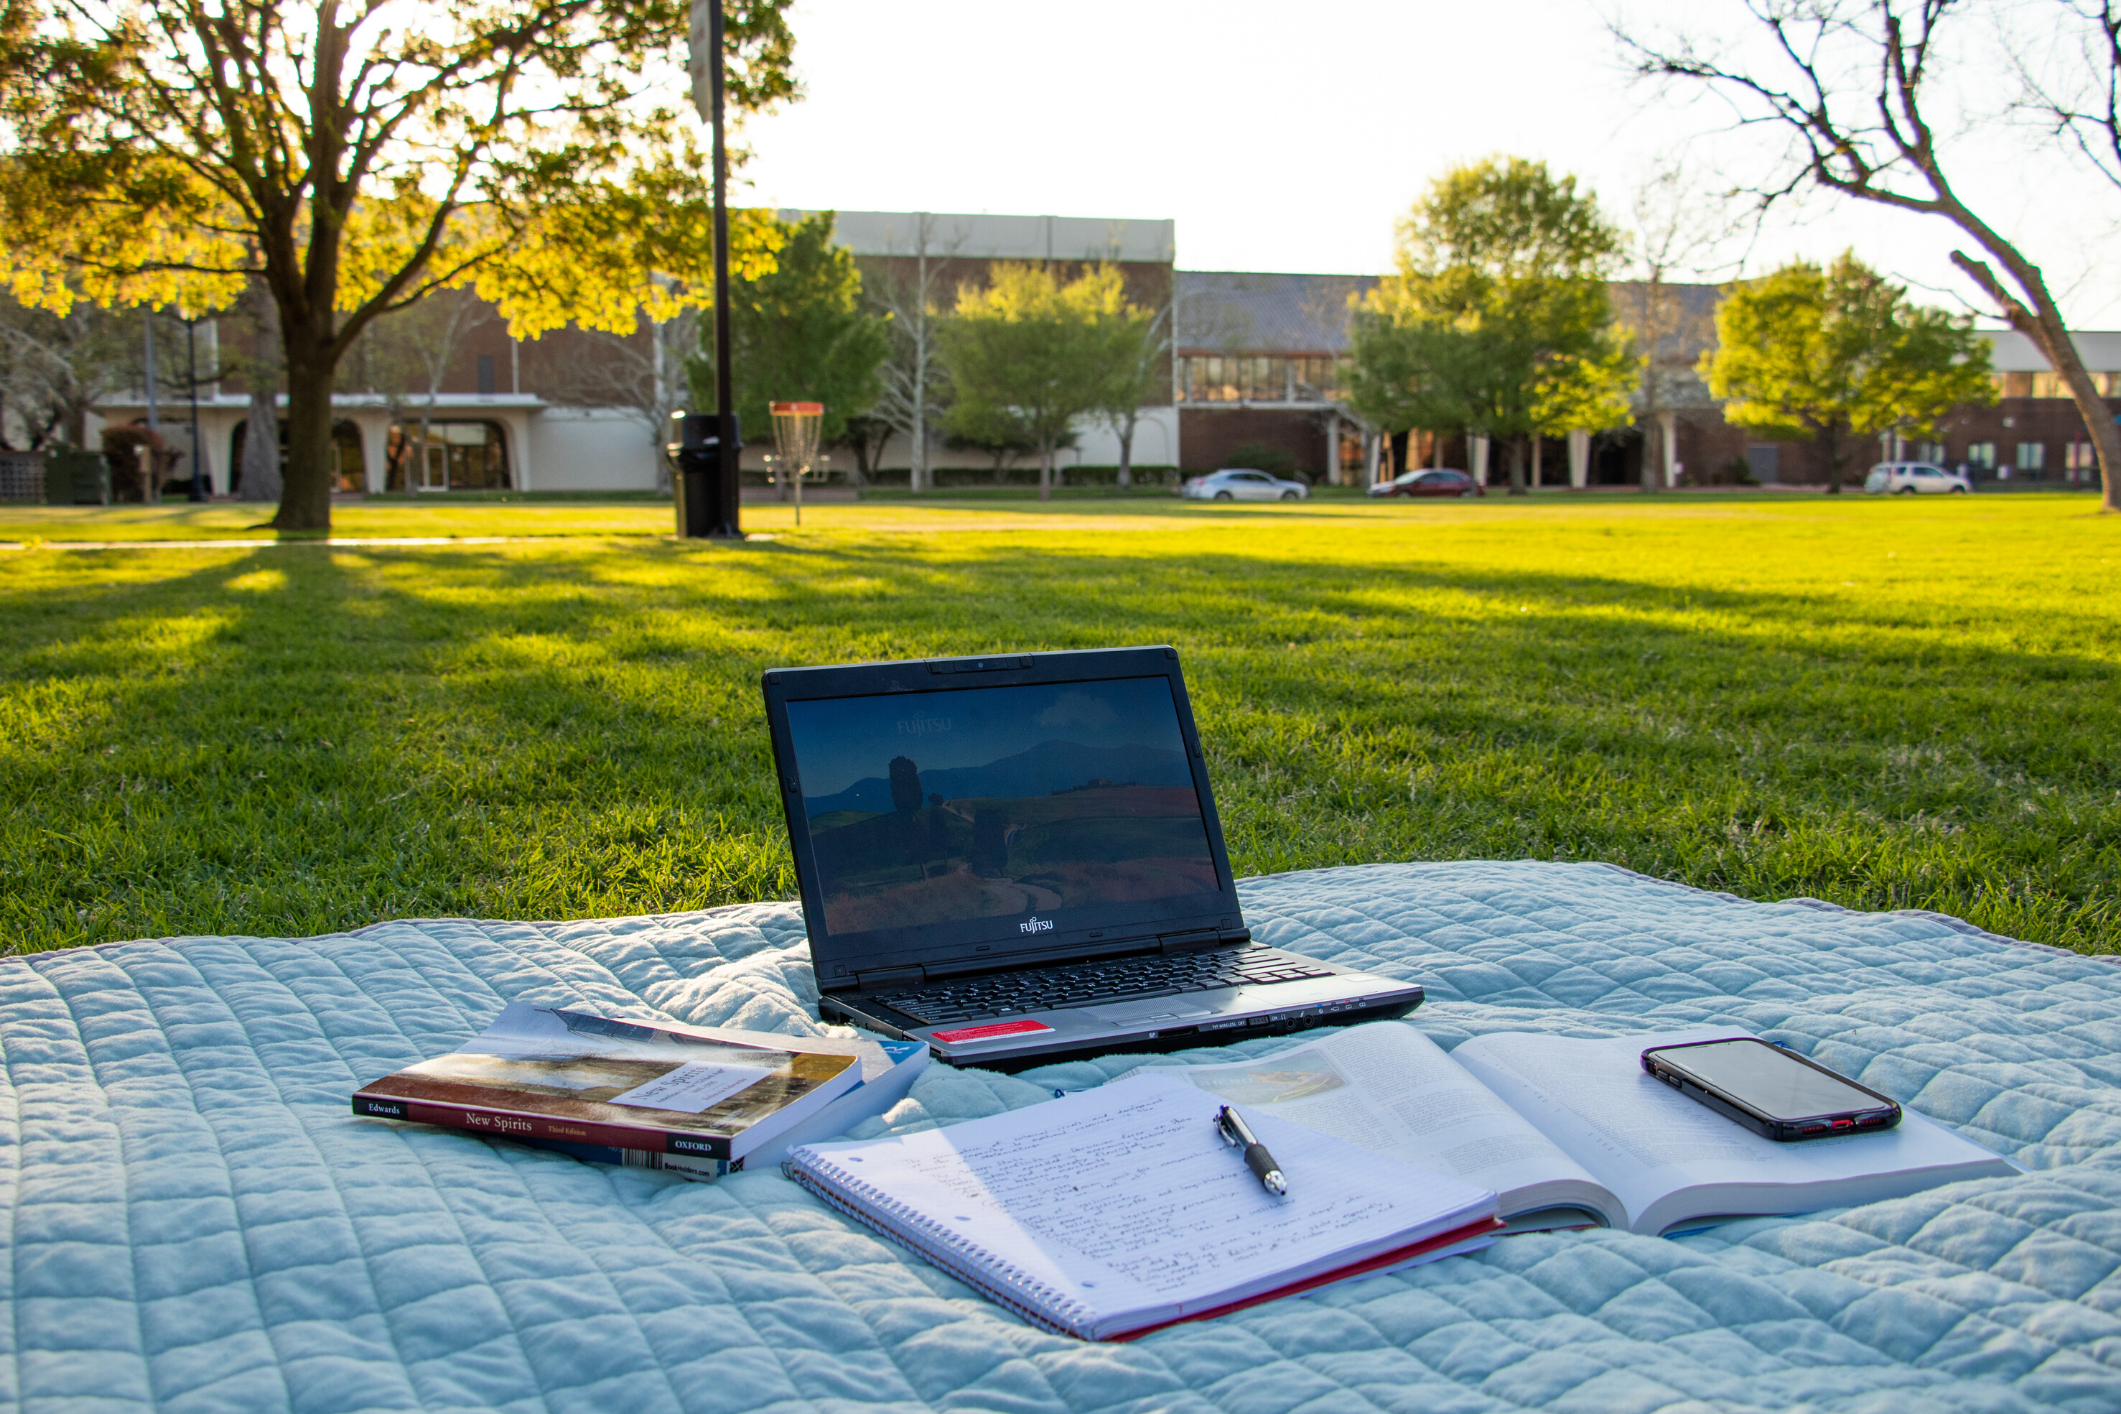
1035	924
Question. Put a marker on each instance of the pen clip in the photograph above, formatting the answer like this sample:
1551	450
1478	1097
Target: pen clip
1232	1129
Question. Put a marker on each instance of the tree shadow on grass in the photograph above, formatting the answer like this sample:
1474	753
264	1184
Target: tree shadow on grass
294	740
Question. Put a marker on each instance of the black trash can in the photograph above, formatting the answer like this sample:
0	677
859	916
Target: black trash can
706	485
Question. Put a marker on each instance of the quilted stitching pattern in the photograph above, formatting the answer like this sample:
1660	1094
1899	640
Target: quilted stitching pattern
196	1222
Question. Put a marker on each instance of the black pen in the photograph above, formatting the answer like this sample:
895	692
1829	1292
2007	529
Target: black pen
1238	1135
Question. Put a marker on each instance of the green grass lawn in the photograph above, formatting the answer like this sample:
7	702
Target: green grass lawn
1886	704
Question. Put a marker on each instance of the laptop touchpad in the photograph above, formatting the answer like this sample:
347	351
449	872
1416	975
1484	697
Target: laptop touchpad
1152	1009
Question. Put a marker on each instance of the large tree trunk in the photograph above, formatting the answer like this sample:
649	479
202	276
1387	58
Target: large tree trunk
258	478
305	501
917	474
1126	452
1045	471
1516	455
1831	439
77	411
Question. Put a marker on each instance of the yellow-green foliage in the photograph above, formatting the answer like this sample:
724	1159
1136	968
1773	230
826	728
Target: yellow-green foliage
1886	703
1030	355
1832	353
1497	318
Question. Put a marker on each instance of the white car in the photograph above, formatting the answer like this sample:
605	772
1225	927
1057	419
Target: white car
1242	484
1913	478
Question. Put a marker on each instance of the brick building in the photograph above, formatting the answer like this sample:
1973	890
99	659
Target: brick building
1257	369
1254	375
1257	372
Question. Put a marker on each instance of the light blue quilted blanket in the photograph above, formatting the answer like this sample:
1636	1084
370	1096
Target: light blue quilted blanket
195	1221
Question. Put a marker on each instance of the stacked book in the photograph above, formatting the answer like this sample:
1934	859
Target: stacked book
700	1101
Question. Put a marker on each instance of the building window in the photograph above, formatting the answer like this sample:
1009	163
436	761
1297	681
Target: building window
1931	452
486	380
2032	459
2052	385
1233	378
1318	379
1258	378
1981	455
2079	462
458	455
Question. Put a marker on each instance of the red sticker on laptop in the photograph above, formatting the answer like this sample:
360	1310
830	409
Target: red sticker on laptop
983	1033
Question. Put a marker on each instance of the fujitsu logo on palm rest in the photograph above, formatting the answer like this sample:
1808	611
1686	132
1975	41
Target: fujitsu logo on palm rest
1035	924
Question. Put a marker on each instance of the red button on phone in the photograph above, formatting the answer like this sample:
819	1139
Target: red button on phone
1844	1124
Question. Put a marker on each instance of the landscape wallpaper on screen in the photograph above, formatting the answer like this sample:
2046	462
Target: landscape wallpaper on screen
984	802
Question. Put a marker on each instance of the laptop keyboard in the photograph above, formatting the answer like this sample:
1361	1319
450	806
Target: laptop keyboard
1114	980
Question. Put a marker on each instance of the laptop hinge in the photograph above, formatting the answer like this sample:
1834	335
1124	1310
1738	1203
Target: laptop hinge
884	977
1195	938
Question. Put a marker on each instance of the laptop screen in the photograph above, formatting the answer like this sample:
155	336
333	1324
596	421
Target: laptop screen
988	802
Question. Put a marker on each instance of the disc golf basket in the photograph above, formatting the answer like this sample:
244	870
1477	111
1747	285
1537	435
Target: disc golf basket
795	429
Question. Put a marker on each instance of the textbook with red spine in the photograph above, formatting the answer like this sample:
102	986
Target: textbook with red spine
546	1074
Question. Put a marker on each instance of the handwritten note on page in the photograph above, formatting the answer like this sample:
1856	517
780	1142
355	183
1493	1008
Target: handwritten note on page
1121	1203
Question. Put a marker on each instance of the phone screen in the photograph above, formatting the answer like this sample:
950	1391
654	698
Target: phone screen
1767	1080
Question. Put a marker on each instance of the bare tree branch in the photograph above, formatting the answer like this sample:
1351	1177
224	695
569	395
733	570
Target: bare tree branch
1847	90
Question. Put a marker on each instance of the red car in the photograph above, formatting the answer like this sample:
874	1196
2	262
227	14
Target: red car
1429	481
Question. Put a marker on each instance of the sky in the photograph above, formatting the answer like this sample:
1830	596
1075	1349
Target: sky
843	740
1291	138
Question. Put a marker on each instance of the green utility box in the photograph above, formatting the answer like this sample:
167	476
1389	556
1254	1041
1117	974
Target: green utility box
76	479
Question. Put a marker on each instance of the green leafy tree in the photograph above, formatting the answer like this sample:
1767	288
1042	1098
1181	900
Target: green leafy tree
1496	318
798	332
1137	368
998	432
1030	350
1838	355
351	157
53	367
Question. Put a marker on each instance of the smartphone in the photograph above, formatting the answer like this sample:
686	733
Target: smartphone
1770	1090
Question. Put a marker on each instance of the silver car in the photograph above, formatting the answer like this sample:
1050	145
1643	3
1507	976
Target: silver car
1914	478
1242	484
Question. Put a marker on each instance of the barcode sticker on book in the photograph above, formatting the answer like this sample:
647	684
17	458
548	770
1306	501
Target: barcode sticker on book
691	1088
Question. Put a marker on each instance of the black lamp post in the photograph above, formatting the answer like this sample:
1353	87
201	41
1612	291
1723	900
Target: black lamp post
200	488
707	459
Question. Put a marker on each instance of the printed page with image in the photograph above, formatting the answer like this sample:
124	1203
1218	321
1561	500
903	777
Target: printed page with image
1572	1132
1389	1088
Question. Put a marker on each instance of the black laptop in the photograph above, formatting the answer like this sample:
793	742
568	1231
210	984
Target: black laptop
1016	859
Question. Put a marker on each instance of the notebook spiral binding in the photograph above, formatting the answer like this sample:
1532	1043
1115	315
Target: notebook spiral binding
1006	1284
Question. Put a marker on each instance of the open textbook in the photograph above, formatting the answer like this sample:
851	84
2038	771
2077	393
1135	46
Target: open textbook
1111	1212
1572	1133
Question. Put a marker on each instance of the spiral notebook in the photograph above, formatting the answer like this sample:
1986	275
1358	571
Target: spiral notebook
1113	1212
